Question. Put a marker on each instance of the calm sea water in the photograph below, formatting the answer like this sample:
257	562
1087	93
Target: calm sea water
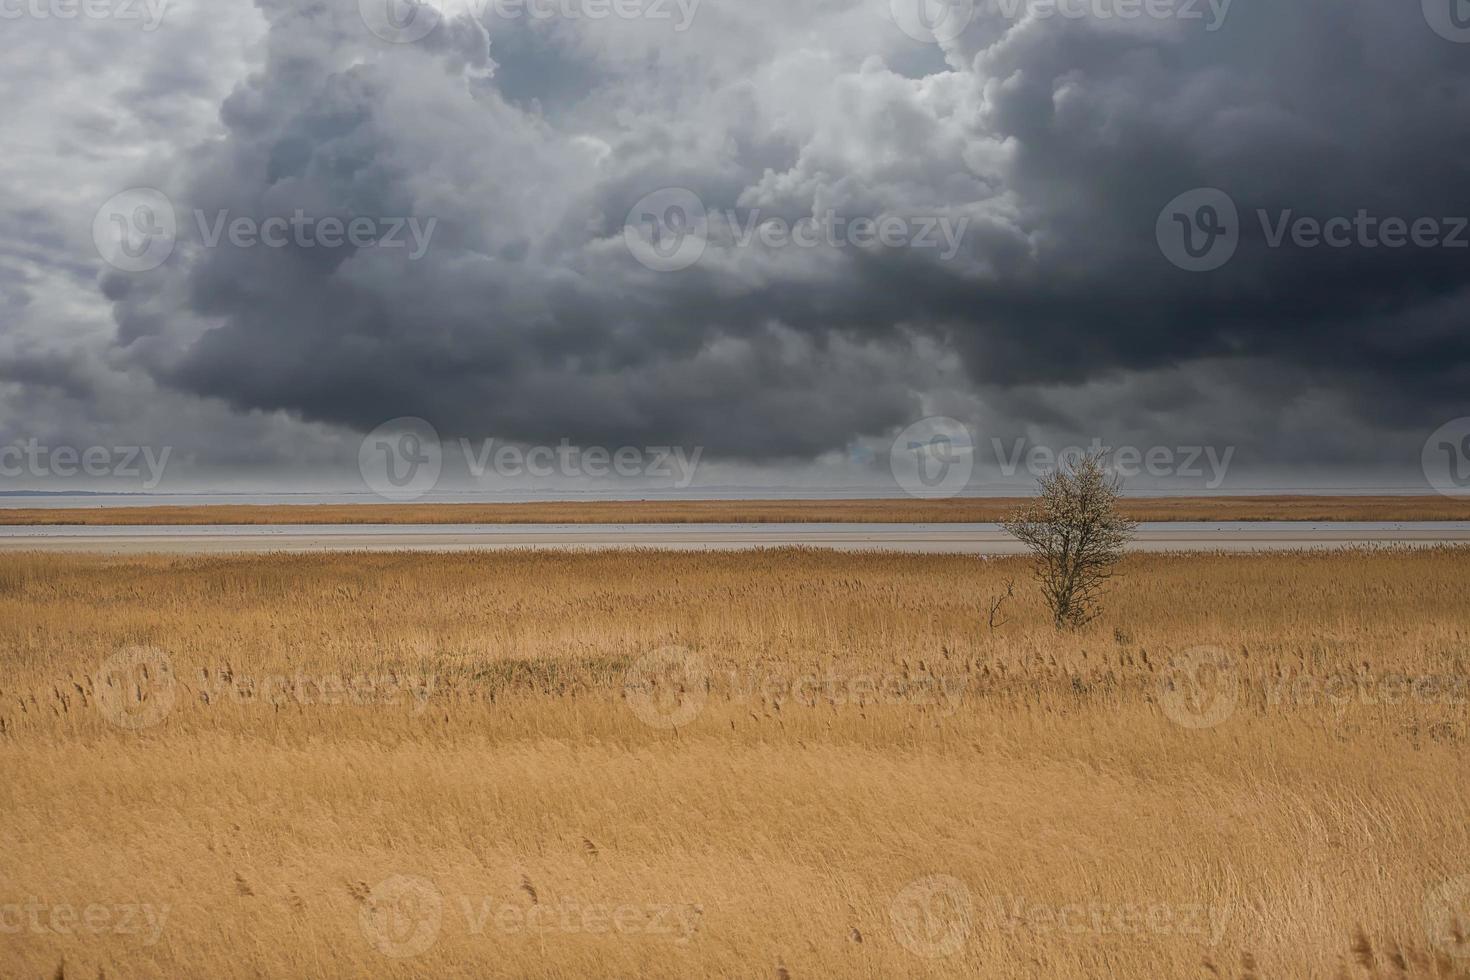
202	498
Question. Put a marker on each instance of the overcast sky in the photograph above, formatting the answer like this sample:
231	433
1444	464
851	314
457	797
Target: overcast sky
773	232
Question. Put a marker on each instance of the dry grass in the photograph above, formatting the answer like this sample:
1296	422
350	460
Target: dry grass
789	828
953	511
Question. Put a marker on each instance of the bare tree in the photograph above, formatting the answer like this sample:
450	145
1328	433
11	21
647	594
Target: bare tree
1076	534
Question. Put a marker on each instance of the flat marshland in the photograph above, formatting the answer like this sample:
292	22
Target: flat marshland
959	510
768	764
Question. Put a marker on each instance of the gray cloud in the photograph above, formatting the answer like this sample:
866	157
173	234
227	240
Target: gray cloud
1057	141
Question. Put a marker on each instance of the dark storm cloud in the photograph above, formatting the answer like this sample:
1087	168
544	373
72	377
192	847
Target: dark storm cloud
1058	141
1313	109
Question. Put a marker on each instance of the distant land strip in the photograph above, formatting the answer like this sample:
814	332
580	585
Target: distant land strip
967	510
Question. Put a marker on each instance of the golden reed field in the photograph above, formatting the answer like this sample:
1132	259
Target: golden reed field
937	511
781	764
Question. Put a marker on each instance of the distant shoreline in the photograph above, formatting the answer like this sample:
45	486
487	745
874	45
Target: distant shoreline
967	510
